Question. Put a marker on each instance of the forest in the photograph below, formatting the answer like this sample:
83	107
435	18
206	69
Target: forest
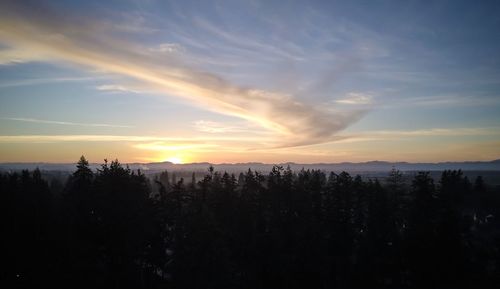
115	228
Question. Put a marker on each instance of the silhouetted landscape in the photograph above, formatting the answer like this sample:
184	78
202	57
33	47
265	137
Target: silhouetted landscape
113	227
249	144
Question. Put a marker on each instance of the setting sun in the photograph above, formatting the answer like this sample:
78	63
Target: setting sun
175	160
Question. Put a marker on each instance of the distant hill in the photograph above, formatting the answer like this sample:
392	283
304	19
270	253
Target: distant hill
371	166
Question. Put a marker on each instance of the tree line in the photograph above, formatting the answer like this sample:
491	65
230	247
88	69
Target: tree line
112	228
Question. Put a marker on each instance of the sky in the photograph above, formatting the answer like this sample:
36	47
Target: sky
249	81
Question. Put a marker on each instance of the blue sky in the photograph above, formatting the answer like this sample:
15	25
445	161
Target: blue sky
233	81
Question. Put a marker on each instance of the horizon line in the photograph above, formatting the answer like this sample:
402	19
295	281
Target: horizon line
260	163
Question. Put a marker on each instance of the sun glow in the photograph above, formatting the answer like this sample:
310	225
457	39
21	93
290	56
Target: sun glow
175	160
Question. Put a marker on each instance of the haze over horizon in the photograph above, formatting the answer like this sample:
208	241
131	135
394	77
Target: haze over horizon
375	161
249	81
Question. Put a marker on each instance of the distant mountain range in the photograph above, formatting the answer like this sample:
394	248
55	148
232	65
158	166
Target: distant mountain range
371	166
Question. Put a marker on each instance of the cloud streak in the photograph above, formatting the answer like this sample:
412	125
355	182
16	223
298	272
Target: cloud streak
382	135
145	142
118	88
37	81
355	98
80	41
42	121
213	127
241	141
14	56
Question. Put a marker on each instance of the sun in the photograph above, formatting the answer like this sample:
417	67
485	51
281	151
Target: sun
174	160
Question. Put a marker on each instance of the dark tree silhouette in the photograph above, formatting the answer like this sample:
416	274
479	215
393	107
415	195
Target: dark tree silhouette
306	229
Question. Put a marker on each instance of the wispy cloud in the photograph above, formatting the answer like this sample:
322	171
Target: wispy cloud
36	81
118	88
356	98
73	138
219	127
167	48
238	41
42	121
447	100
440	132
162	146
452	100
120	138
430	132
13	56
80	41
149	143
